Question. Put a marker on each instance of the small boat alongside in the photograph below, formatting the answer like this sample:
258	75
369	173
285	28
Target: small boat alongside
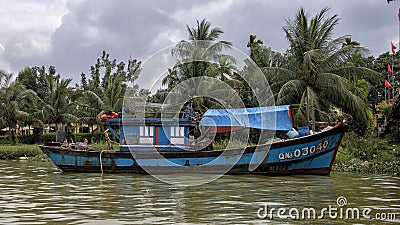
164	145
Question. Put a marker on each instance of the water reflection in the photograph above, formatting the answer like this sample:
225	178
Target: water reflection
37	193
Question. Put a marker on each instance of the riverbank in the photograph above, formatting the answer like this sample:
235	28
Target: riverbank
12	152
32	152
367	155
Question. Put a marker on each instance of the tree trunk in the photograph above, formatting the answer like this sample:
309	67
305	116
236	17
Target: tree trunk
11	134
37	133
312	115
310	110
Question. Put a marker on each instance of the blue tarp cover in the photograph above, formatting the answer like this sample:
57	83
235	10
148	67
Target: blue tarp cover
268	118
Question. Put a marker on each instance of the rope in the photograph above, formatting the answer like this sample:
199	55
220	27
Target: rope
108	148
101	163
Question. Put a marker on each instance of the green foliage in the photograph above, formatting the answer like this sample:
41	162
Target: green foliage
16	151
363	87
55	99
392	116
51	137
264	56
203	31
367	154
380	64
363	128
4	140
35	78
386	109
201	57
59	100
91	137
14	100
320	75
362	148
106	87
26	139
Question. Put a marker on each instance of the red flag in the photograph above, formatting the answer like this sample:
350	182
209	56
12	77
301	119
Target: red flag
390	70
393	48
387	84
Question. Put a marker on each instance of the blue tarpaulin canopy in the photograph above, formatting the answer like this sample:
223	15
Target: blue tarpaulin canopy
267	118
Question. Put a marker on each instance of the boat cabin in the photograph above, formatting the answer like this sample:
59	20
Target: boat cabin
148	133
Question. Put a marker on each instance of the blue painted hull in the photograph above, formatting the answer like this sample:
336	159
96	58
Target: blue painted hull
313	154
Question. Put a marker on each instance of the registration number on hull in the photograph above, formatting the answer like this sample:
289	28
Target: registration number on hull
304	151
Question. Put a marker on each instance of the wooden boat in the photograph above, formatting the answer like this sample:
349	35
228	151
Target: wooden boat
146	146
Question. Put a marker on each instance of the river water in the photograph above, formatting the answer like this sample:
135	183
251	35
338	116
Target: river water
38	193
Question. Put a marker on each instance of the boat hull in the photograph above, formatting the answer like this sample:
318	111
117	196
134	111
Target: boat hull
313	154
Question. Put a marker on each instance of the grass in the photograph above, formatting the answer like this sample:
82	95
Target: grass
33	152
9	152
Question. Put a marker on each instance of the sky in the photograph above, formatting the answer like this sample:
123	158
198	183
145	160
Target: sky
71	34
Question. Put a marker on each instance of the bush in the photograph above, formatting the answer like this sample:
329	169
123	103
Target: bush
363	148
4	140
367	155
362	128
26	139
50	137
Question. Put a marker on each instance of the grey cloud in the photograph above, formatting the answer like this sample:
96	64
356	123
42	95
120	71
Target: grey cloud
140	28
122	28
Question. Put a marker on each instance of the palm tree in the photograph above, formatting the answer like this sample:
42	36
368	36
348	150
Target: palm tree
349	42
59	101
203	32
315	76
200	56
109	97
255	47
14	99
106	91
193	56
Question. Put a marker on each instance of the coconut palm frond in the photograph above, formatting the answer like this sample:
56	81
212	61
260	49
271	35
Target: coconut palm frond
344	96
290	92
276	74
354	74
21	115
311	61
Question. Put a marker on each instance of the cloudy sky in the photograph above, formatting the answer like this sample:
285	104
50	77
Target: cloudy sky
72	34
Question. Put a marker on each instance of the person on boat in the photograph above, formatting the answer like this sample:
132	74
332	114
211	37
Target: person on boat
108	141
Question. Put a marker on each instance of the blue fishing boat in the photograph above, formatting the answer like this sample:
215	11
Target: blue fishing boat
165	145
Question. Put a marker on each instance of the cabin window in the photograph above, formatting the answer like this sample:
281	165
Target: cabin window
177	135
146	131
146	134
